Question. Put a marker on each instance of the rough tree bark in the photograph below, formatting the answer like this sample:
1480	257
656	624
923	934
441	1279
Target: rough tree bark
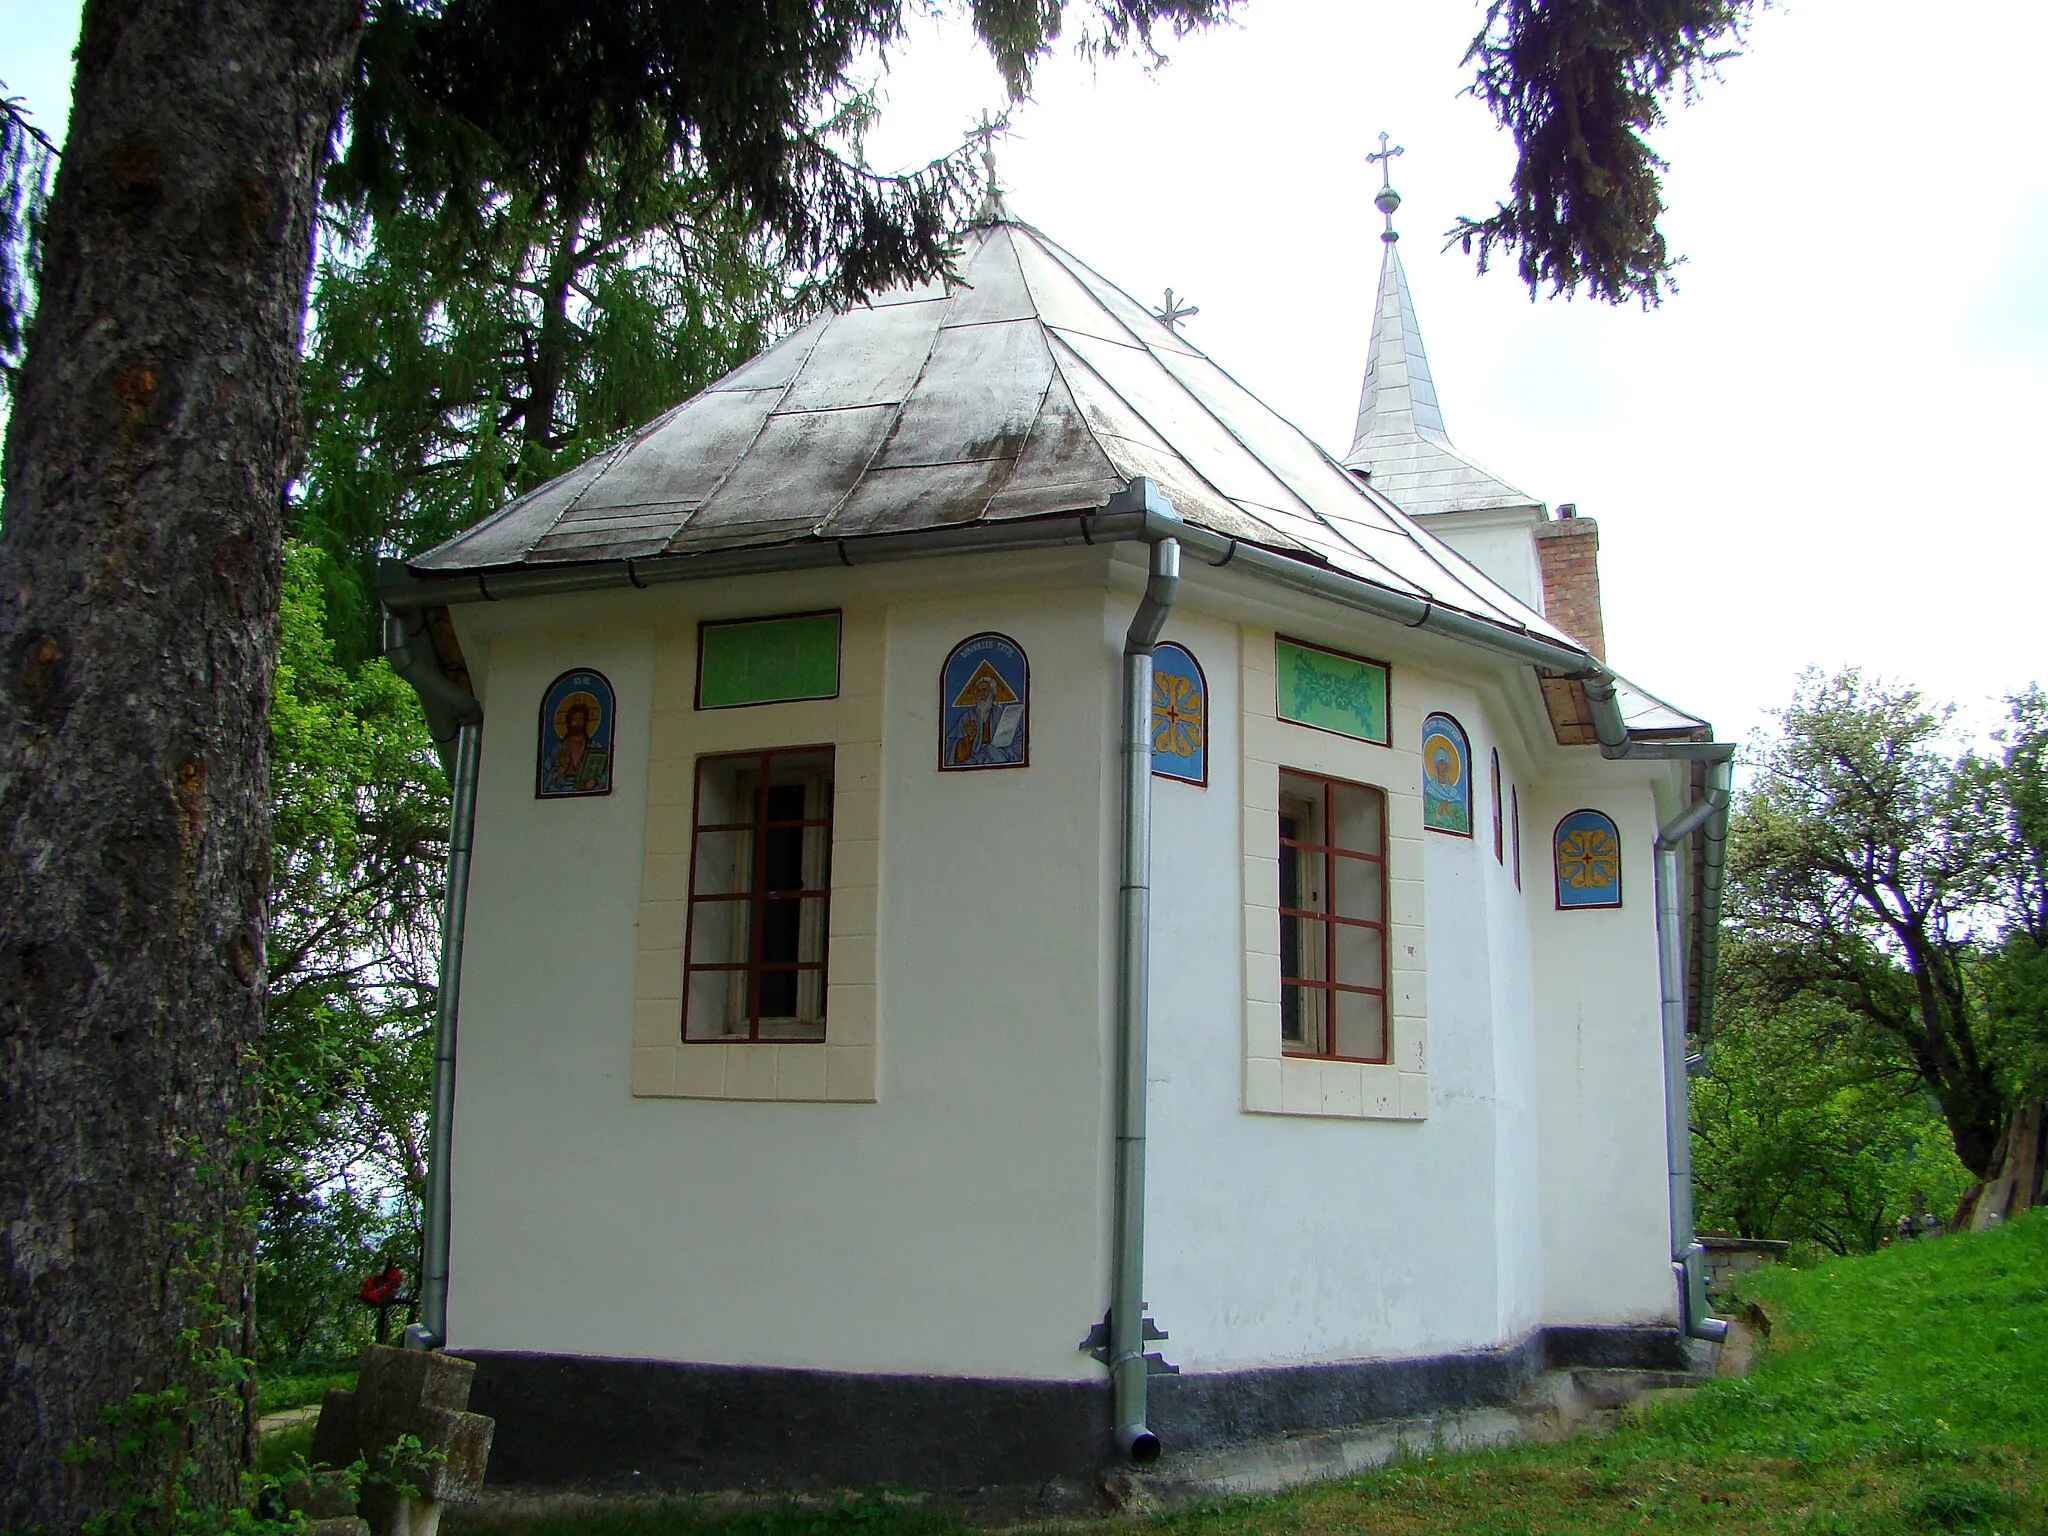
145	463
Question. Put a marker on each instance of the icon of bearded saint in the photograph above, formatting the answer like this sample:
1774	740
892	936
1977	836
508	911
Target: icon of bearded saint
580	763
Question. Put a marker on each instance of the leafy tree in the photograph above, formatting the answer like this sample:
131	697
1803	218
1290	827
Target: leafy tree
1872	870
1807	1128
2013	977
359	815
470	343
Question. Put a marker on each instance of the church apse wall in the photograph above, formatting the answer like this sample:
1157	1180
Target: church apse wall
1310	1203
960	1187
1599	1066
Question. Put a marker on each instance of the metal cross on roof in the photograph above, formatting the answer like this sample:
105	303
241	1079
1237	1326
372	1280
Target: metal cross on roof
1383	157
1174	312
1387	199
988	130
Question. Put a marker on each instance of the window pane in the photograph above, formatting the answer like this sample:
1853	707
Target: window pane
1360	956
1308	1009
1307	958
718	932
725	790
1357	817
714	1008
781	933
723	862
1290	868
1361	1026
1361	888
777	991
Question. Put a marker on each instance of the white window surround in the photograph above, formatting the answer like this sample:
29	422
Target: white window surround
844	1066
1276	1084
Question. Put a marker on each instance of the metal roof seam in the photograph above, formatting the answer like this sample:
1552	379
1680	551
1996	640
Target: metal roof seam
1152	427
1062	257
1076	265
882	438
620	451
740	458
1037	417
519	501
1308	507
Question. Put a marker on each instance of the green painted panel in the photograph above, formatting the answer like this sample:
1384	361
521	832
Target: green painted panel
768	661
1332	691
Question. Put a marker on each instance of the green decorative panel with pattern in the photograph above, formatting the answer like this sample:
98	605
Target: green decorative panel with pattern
1331	690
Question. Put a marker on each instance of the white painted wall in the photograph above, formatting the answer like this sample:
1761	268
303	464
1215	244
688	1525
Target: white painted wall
1500	543
1284	1239
1599	1070
957	1225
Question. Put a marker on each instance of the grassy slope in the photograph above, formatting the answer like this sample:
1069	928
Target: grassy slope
1903	1392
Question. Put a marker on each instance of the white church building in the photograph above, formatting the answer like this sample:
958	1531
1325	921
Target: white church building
1009	912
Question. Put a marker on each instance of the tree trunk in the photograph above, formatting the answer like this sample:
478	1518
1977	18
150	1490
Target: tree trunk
551	352
150	443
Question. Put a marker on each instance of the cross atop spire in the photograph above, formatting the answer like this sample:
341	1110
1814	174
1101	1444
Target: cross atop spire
988	130
1386	199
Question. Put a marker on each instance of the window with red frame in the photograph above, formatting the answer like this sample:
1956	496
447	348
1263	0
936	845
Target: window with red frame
760	896
1333	919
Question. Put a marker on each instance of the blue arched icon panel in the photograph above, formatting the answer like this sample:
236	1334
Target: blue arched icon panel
1446	777
1586	853
577	721
1180	715
985	705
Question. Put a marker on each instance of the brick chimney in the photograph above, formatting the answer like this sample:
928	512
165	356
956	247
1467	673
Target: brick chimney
1568	550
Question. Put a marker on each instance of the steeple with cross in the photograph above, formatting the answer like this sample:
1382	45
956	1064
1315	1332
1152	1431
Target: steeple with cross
1399	442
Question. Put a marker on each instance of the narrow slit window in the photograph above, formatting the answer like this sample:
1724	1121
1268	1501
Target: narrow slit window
1333	919
760	896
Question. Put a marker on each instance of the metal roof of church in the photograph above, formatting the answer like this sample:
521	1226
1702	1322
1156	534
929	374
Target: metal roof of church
1400	440
1029	387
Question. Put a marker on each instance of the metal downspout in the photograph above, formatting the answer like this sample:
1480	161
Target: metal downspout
1128	1366
1709	814
454	707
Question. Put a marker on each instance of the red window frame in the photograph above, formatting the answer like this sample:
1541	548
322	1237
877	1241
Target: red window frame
1330	851
757	896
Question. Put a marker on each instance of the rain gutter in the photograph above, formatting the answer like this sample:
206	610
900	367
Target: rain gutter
1709	816
1128	1366
456	720
1122	520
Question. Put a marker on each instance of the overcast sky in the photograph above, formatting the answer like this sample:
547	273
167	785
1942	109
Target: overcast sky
1821	452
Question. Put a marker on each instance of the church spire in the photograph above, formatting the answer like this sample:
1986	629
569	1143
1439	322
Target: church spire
1399	398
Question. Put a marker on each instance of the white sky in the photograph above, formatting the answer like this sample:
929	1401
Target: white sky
1817	453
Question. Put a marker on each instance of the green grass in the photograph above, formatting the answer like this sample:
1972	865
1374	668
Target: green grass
1901	1393
295	1386
278	1451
